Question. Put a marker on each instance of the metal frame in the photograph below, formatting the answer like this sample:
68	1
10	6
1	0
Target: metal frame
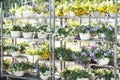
1	43
52	18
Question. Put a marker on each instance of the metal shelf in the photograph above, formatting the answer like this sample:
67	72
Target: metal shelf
25	77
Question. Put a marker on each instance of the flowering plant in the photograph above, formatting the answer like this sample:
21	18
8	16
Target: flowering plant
82	29
74	74
63	32
41	8
63	53
79	9
109	32
98	53
111	8
107	74
83	57
103	7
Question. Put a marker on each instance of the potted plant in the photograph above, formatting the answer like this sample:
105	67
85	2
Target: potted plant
63	53
15	50
42	31
107	32
79	9
44	71
101	56
18	69
84	32
27	11
15	31
94	30
82	57
106	74
31	53
75	74
63	32
6	63
28	30
44	52
12	49
23	46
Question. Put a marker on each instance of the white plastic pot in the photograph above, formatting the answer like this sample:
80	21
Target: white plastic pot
95	14
43	36
103	61
83	79
20	73
15	34
28	13
102	35
28	34
85	36
44	77
111	14
16	53
32	58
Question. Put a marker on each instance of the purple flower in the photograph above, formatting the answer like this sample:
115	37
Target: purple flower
84	54
92	54
95	51
92	29
94	47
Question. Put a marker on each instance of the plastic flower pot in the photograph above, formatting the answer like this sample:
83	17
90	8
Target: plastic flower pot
44	77
15	34
20	73
84	36
103	61
28	13
95	14
43	36
83	79
15	53
27	34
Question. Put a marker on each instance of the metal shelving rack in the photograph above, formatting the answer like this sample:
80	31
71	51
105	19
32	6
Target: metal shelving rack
52	18
28	77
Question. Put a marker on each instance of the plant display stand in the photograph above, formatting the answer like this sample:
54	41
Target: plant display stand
69	40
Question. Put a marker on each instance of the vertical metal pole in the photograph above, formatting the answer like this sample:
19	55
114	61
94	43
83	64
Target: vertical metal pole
53	42
61	42
50	38
115	48
1	44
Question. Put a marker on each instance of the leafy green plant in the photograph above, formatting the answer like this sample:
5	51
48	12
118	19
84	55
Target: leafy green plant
75	74
83	57
16	67
23	46
11	47
82	29
107	74
28	28
63	32
43	28
6	63
43	68
16	28
109	32
63	53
